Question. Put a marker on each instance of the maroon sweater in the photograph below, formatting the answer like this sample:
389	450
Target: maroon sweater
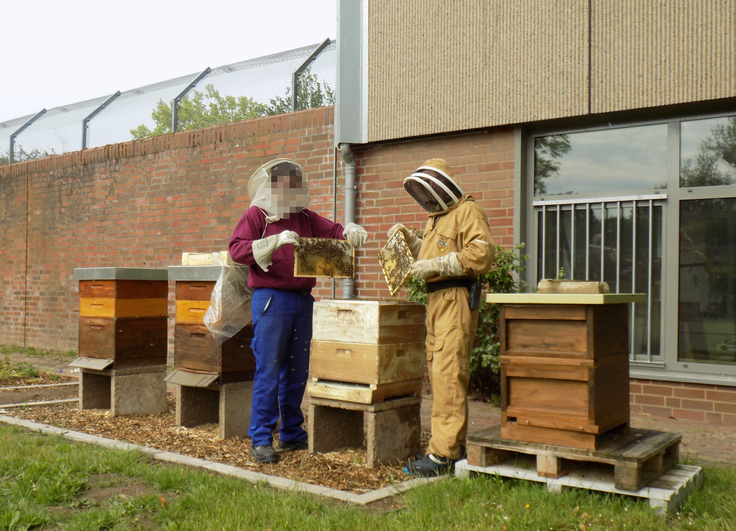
280	275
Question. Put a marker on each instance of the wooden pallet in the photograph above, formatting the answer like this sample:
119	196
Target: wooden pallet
638	457
665	494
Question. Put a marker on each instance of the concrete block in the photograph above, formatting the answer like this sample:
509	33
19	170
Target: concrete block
94	390
141	393
196	406
330	429
235	408
393	435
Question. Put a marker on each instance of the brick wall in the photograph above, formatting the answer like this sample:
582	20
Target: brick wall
483	164
680	400
137	204
143	203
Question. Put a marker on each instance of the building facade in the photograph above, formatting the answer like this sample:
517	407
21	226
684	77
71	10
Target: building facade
615	129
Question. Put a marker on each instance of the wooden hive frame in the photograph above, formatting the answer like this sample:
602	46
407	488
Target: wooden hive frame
324	257
396	260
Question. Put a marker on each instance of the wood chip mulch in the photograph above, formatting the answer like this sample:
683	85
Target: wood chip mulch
345	470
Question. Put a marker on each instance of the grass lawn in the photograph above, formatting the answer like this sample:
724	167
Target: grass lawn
49	483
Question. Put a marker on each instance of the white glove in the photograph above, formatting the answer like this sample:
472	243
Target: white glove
444	266
355	234
264	248
412	240
287	236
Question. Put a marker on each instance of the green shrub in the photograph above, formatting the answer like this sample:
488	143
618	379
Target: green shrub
484	360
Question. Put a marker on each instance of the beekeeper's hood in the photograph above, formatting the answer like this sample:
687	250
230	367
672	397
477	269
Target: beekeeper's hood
433	186
279	188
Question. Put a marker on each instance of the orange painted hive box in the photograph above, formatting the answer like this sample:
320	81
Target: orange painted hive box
123	315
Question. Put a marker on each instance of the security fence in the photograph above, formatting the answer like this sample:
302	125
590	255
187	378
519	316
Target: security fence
291	80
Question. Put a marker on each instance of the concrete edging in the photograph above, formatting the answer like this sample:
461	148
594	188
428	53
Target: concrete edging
228	470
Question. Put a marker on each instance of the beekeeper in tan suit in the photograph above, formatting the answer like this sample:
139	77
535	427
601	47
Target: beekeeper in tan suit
456	249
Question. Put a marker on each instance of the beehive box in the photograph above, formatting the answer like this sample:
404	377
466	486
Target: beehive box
564	367
324	257
123	316
396	260
368	342
195	349
368	321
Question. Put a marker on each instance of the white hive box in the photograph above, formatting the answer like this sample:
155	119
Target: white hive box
379	344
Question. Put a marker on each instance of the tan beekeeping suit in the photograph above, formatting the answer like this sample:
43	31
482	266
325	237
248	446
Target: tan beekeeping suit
463	228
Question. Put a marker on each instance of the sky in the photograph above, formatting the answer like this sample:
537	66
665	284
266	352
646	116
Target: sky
66	51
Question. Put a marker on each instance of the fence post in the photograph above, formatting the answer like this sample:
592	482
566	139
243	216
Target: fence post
175	103
85	122
11	155
295	75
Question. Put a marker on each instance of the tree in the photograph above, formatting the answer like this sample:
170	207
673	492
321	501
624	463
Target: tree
547	149
22	155
201	110
211	108
310	94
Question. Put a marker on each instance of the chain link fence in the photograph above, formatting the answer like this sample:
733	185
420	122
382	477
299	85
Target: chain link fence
248	89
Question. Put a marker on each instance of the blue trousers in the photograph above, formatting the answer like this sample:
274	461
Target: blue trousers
282	330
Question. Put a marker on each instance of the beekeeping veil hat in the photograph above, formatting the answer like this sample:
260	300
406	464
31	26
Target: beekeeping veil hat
433	186
278	187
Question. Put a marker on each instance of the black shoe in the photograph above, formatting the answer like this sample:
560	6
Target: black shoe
301	444
429	466
463	454
264	454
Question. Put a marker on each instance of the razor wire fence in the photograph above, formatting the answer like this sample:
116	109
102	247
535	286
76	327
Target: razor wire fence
257	87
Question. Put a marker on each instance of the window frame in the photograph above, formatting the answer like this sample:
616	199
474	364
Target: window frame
667	366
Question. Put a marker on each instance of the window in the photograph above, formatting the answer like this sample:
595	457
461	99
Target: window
647	209
707	291
618	241
708	152
617	160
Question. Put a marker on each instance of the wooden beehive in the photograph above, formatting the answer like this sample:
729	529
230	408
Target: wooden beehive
195	350
368	321
122	316
372	343
564	367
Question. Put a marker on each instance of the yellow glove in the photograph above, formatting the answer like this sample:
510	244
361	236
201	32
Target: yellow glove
444	266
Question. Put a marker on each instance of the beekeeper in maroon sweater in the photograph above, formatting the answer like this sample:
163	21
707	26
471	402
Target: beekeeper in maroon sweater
264	239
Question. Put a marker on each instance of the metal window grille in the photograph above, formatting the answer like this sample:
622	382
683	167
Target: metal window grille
618	240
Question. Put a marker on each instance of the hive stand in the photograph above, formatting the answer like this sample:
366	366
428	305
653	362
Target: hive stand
393	428
137	390
122	339
228	405
642	463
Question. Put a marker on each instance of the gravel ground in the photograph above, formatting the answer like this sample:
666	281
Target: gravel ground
345	470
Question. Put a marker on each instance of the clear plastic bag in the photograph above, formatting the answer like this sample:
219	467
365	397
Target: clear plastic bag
229	309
